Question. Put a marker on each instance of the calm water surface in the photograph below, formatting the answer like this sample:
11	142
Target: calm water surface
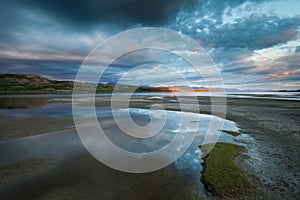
65	145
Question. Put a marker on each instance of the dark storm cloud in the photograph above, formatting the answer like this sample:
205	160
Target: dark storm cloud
51	38
24	29
254	32
49	68
125	12
64	26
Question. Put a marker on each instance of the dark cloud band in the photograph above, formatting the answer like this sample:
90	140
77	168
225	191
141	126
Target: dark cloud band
125	12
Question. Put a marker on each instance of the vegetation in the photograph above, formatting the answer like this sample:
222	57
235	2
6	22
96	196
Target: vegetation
101	89
20	83
221	175
26	84
233	133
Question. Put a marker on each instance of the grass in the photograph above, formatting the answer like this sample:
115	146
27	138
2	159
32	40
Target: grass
221	175
233	133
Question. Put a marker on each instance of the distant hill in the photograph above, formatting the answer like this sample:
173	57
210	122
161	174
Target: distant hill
130	88
28	84
22	83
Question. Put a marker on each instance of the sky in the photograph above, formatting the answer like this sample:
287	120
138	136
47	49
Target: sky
254	44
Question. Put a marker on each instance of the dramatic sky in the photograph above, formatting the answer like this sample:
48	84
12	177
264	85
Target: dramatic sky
254	43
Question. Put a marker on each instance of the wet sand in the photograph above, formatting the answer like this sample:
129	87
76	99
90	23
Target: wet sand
77	175
18	170
37	125
273	163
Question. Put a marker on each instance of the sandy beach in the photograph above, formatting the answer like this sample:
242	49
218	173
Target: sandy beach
271	160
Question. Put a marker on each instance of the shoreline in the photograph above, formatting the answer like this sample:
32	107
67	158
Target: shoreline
273	163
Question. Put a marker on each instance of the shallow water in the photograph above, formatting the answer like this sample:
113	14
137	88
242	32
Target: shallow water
65	145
